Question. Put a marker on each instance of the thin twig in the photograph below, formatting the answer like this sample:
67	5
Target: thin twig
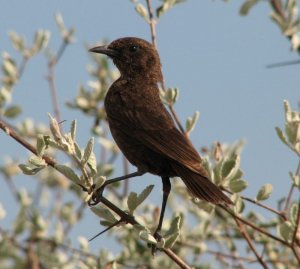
176	259
152	23
51	79
253	201
277	6
22	66
9	131
294	238
289	197
245	234
255	227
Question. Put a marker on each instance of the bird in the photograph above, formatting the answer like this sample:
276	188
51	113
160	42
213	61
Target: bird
143	128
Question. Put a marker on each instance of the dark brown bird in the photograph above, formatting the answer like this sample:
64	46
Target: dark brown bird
143	128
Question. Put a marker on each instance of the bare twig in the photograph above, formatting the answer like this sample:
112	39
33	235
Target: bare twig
22	66
253	201
176	259
277	6
245	234
255	227
51	79
9	131
152	23
289	197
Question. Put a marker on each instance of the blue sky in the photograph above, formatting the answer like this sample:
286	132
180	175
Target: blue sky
215	57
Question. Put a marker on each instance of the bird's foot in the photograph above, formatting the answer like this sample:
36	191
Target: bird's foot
96	197
158	238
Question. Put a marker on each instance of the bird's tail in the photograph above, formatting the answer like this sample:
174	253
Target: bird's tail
200	186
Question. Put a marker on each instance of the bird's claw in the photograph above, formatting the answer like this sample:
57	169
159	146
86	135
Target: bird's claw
158	238
96	197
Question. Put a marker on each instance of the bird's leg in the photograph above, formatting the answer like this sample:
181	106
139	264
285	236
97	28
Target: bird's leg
166	190
97	197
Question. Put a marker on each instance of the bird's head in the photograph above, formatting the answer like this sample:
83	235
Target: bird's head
134	57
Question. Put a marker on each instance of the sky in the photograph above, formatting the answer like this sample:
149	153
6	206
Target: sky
213	55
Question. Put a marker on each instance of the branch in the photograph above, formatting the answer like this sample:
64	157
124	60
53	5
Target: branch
51	79
289	198
253	201
152	23
250	243
277	6
254	226
123	215
9	131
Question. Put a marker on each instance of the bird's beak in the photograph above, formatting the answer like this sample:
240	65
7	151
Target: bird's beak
104	50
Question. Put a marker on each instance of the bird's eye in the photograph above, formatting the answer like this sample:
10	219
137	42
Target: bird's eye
133	48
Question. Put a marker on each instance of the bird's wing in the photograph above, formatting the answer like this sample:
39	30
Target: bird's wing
154	127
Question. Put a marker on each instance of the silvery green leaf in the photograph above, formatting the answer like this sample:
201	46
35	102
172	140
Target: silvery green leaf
239	205
237	185
287	110
174	226
247	5
239	173
217	178
135	200
167	4
54	128
144	194
83	243
40	145
170	96
17	41
285	230
78	151
281	135
230	167
293	212
73	130
88	151
291	133
191	122
60	22
171	240
132	202
146	236
295	178
41	39
92	163
5	95
264	192
104	214
37	161
12	111
28	170
99	181
142	11
68	172
140	227
9	68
